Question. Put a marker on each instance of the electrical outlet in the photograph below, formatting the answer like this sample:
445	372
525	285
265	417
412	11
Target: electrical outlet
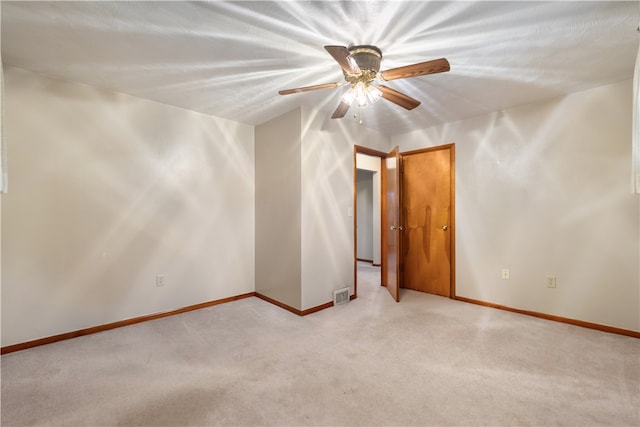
551	281
159	280
505	274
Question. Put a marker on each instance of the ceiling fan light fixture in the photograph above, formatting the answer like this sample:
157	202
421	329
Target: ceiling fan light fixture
362	93
374	94
349	96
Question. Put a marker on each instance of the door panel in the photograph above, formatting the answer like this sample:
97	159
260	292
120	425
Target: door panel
391	223
426	212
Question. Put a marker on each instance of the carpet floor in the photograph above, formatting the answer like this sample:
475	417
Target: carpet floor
426	361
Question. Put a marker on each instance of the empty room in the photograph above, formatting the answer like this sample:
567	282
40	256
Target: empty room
328	213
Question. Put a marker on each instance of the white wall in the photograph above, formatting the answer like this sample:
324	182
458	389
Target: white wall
364	222
373	164
278	209
543	189
108	190
312	168
327	196
3	170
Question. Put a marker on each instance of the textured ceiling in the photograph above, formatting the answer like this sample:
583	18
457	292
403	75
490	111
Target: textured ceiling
229	59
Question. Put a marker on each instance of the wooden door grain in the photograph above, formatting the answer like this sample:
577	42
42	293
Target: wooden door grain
391	227
428	221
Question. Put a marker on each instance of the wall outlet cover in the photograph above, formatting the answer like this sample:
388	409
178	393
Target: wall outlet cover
551	281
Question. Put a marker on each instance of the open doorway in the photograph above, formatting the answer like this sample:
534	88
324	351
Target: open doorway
367	227
426	242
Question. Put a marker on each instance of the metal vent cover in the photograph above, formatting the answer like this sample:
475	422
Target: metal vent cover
341	296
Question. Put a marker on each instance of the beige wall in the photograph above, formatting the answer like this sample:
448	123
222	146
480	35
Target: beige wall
327	197
307	204
543	189
109	190
278	230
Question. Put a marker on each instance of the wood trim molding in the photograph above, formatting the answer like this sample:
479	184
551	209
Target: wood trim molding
369	151
127	322
279	304
317	308
427	149
118	324
452	171
589	325
293	309
101	328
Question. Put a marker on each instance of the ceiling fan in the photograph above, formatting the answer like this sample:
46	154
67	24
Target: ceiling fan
361	67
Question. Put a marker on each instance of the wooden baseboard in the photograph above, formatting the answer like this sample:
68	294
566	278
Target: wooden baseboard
108	326
119	324
293	309
376	265
317	308
604	328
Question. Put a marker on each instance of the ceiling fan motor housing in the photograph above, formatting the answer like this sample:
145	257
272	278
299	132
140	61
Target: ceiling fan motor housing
368	59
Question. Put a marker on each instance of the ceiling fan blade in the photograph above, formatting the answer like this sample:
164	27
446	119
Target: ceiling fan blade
423	68
398	98
308	88
341	110
343	57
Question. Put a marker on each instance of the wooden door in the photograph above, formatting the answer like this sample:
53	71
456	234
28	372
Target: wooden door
390	223
427	212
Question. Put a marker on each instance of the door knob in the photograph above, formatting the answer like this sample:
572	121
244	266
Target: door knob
444	227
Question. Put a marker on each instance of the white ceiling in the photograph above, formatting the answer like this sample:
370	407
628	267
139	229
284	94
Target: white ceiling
230	58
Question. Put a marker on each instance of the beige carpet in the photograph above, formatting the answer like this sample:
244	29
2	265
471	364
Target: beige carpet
424	361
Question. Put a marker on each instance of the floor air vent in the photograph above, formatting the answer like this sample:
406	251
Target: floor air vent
341	296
